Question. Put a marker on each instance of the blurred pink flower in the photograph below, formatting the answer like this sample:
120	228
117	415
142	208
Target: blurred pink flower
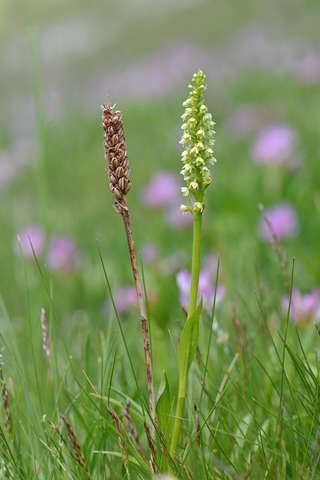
210	260
176	219
275	144
304	308
155	75
307	68
243	121
125	298
206	289
162	190
7	171
37	237
283	220
62	254
12	160
149	253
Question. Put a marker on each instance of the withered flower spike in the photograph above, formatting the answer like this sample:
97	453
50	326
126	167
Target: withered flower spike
115	152
76	447
118	171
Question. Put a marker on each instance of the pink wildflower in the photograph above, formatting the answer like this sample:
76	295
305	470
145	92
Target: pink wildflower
149	253
62	254
243	120
176	219
206	289
307	68
37	237
275	144
304	308
162	190
125	299
283	220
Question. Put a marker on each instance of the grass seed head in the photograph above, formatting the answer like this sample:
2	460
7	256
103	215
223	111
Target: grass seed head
45	336
76	447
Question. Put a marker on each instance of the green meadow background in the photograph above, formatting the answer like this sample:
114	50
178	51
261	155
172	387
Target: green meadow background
59	61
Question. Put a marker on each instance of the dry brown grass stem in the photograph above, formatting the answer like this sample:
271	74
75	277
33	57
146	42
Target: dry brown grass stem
143	316
224	380
118	171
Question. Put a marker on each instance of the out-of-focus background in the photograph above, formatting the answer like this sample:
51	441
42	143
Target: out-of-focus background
60	60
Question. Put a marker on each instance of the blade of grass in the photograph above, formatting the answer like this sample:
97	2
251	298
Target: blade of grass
210	332
118	321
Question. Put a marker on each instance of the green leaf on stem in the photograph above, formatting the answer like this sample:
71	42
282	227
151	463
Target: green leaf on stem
164	407
189	341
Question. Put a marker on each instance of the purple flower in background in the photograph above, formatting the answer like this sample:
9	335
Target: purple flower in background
62	254
149	253
210	260
307	68
184	282
304	308
243	121
275	144
125	298
12	160
7	171
176	219
283	220
157	75
206	289
37	237
162	190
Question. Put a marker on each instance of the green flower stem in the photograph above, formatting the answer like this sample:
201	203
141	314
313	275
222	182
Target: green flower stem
197	216
197	157
177	423
197	222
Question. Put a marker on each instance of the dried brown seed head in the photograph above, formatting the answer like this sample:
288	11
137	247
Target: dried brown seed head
115	152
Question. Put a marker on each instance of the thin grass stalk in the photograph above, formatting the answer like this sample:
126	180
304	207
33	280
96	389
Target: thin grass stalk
76	447
143	463
284	351
143	316
152	449
118	321
133	431
29	324
49	293
283	260
211	330
56	430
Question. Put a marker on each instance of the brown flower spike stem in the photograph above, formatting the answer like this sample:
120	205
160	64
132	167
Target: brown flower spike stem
118	171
